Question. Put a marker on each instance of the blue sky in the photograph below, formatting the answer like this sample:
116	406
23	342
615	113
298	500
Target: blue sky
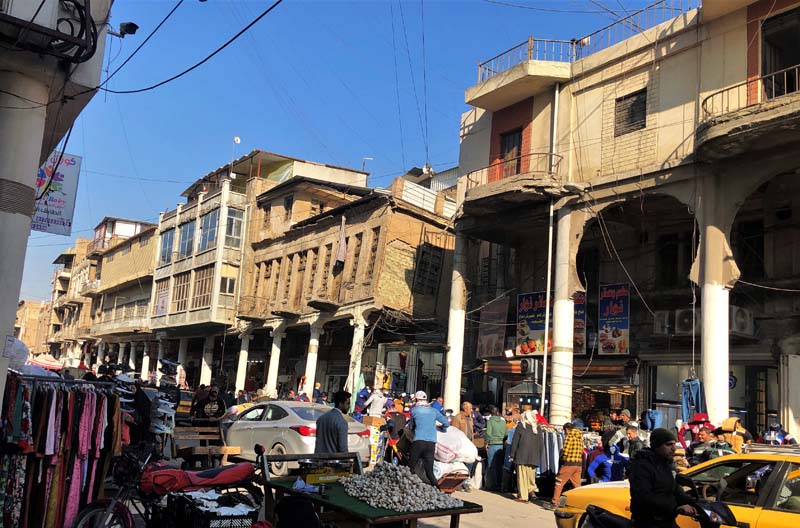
314	80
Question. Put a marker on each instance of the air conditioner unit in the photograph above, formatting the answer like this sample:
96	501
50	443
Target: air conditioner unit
663	323
740	322
684	319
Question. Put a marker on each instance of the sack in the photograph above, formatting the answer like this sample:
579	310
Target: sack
453	440
440	469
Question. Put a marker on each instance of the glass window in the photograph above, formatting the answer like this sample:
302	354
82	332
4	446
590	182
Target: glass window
186	243
252	415
746	481
203	278
429	267
180	292
630	112
310	413
510	149
167	238
228	285
788	498
208	230
275	413
288	202
233	231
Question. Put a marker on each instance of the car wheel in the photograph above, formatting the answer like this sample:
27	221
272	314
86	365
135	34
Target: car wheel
279	469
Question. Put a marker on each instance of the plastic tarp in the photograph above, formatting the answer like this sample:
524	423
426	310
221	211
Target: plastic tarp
441	469
454	446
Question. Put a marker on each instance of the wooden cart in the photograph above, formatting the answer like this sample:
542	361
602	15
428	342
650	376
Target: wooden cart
336	506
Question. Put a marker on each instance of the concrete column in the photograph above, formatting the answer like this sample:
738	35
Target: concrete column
162	345
560	393
241	367
145	372
271	387
121	353
21	134
311	359
101	354
356	352
455	326
183	347
132	355
207	361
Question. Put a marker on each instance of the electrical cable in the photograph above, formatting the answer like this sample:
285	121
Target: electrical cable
771	288
397	86
203	61
543	9
413	78
424	79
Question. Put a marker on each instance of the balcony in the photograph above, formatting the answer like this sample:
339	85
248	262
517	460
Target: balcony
97	247
249	309
127	318
758	114
89	287
520	72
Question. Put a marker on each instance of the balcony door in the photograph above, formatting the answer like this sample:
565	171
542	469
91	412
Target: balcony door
780	54
510	150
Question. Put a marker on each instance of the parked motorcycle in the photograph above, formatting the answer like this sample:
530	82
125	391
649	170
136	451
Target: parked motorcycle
144	482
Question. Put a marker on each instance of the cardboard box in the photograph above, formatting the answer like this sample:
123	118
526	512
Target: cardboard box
374	421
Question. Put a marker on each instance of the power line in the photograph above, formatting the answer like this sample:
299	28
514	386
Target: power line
203	61
543	9
424	78
771	288
397	86
413	78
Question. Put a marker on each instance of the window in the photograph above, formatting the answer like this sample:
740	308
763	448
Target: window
674	259
203	279
267	216
162	295
356	256
429	267
180	292
275	413
252	415
312	270
144	240
167	238
748	248
125	249
233	231
373	253
287	286
288	203
779	51
788	498
186	242
326	269
227	285
746	481
510	150
317	207
208	230
109	258
630	112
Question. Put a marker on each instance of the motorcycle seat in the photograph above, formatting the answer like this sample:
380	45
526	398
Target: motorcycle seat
162	480
222	475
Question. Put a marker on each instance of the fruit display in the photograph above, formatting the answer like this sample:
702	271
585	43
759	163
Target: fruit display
397	488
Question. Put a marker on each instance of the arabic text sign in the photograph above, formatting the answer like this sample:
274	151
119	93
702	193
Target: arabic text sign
530	323
492	332
54	211
579	328
614	319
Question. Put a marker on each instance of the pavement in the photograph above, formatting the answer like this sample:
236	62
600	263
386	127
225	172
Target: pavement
499	510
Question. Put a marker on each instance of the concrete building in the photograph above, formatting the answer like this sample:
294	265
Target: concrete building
202	245
29	327
68	335
346	281
665	147
121	291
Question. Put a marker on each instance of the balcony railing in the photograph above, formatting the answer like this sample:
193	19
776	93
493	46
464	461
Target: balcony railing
572	50
752	92
537	163
250	307
532	49
89	287
99	245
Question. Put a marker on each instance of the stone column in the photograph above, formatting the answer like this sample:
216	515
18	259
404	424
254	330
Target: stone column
132	355
162	345
356	352
101	354
241	367
560	392
455	326
121	353
183	347
207	360
145	372
311	358
271	387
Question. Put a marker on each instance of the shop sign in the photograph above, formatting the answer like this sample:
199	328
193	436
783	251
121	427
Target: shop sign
530	324
614	319
53	212
162	300
492	330
579	325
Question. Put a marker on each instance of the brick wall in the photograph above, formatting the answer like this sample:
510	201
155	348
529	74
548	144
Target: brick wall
519	115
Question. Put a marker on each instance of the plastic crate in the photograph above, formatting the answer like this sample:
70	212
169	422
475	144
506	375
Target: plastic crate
187	514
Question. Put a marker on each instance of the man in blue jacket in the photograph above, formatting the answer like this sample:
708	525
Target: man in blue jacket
423	423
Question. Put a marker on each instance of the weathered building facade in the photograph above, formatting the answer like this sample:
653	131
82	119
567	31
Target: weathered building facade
664	145
31	325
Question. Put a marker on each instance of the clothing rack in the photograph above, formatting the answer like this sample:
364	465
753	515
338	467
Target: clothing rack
55	379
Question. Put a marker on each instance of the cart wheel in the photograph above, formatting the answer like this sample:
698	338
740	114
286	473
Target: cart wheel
279	469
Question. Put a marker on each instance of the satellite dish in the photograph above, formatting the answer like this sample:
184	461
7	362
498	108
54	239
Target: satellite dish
237	139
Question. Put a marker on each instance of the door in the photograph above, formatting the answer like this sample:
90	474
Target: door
748	484
268	432
783	504
241	432
510	150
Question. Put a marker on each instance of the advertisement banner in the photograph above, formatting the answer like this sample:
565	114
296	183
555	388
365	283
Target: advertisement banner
579	328
53	212
162	301
492	332
530	324
614	319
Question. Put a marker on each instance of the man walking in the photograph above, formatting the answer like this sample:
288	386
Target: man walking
463	420
495	435
656	499
423	423
332	427
571	461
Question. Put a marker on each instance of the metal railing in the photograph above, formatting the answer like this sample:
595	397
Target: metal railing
572	50
537	163
531	49
102	244
752	92
89	286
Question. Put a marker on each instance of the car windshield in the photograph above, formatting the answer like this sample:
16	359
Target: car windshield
310	413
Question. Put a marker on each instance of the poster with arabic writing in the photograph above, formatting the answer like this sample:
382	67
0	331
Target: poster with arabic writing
614	319
579	324
530	324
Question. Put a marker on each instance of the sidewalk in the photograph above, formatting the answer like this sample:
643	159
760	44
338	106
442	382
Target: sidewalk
498	510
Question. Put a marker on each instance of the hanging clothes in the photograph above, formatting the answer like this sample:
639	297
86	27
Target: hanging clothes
693	399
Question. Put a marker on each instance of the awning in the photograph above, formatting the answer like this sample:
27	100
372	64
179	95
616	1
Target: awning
45	361
606	386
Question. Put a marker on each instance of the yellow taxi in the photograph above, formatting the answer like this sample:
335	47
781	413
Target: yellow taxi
763	491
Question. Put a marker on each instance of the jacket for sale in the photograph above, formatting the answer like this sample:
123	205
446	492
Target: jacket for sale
654	492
